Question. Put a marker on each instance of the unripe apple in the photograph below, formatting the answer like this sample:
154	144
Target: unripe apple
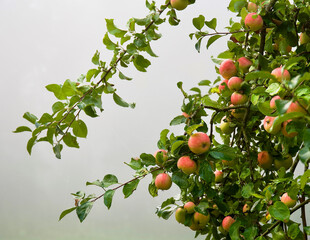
296	107
179	4
252	7
238	98
237	113
180	214
286	199
189	207
285	133
194	226
222	85
228	69
244	63
165	156
254	21
286	163
264	160
225	126
199	143
163	181
273	101
187	165
246	208
201	219
234	83
304	38
227	222
268	122
218	176
277	72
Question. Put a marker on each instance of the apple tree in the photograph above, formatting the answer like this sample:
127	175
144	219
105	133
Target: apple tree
244	132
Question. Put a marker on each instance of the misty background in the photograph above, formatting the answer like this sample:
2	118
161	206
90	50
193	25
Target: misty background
44	42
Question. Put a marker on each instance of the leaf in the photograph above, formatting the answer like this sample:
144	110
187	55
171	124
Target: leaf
223	152
135	164
304	179
192	128
279	211
57	90
57	150
30	144
79	128
141	63
46	118
109	180
176	145
207	101
306	137
95	58
213	39
247	190
259	74
163	136
282	105
92	73
130	187
304	154
70	140
198	22
198	44
234	230
30	117
293	230
112	29
273	88
119	101
212	23
108	43
204	83
83	210
205	172
69	88
123	77
180	179
57	106
178	120
22	129
107	198
147	159
65	212
250	233
153	189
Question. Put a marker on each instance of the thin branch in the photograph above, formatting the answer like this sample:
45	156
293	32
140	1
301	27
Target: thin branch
225	109
69	126
293	167
211	125
223	33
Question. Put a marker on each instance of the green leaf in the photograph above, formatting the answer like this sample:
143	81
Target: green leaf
147	159
202	208
213	39
247	190
22	129
95	60
306	137
176	145
192	128
273	88
264	108
135	164
109	180
207	101
259	74
107	198
304	154
250	233
31	143
205	172
57	106
178	120
46	118
123	77
282	118
69	88
234	230
95	183
119	101
153	189
112	29
279	211
57	150
57	90
92	73
70	140
198	44
66	212
163	136
30	117
304	179
79	128
223	152
108	43
180	179
293	230
282	105
307	230
141	63
212	23
83	210
204	83
130	187
198	22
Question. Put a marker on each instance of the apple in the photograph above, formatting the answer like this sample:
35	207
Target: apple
185	114
227	222
180	214
277	72
187	165
201	219
179	4
244	63
228	69
215	210
286	199
165	156
246	208
218	176
286	163
189	207
254	21
225	126
276	47
268	122
252	7
273	101
296	107
163	181
264	160
223	84
238	98
304	38
237	113
194	226
199	143
285	133
234	83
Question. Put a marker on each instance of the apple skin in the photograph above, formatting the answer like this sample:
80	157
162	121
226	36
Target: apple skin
285	133
227	222
273	101
255	23
238	98
222	85
218	176
163	181
199	143
179	4
201	219
237	113
165	156
187	165
246	208
228	69
277	72
264	160
295	107
225	126
180	214
185	114
288	201
252	7
244	63
268	122
304	38
189	207
286	163
234	83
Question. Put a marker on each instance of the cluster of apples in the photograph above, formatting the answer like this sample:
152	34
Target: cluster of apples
253	21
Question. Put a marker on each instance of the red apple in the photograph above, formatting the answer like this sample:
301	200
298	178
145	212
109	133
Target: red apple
238	98
179	4
296	107
287	162
199	143
273	101
227	222
222	85
264	160
187	165
189	207
218	176
244	63
277	72
252	7
268	122
228	69
286	199
304	38
254	21
285	133
180	215
201	219
234	83
163	181
165	156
